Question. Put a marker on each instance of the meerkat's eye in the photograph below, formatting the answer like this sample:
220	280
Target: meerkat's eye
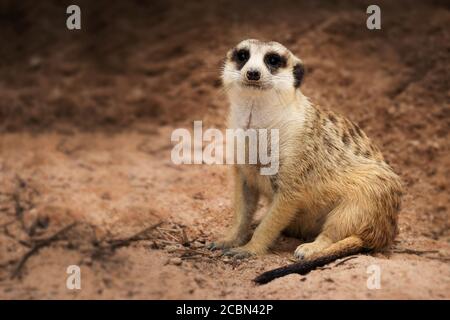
243	55
273	60
240	57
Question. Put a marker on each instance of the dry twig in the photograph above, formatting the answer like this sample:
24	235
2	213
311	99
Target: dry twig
117	243
38	245
345	260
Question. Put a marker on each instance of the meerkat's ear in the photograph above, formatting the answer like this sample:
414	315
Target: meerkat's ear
299	73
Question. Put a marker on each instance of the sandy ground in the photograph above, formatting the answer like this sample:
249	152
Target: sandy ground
85	170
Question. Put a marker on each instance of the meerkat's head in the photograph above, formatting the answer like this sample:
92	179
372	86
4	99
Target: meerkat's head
257	68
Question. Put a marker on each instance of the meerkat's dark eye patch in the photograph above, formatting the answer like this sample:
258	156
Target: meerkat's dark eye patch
243	55
240	57
274	61
299	73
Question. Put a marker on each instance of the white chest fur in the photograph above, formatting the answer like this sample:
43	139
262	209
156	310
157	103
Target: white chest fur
265	111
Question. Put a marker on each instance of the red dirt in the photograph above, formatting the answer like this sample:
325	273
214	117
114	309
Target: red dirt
86	120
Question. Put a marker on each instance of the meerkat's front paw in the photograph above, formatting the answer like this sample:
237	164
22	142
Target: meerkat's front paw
242	252
225	244
239	253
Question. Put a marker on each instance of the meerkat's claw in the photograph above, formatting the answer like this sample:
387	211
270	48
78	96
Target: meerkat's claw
220	245
214	246
298	254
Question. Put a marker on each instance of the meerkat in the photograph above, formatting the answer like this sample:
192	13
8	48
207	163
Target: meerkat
333	188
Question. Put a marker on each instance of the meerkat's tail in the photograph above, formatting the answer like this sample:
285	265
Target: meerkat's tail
342	248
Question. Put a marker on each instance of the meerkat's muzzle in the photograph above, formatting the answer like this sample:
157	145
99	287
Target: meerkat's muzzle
253	75
252	79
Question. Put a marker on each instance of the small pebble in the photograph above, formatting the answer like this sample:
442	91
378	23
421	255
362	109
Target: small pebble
197	245
171	249
175	261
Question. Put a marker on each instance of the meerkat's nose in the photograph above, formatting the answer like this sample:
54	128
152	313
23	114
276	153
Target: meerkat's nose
253	75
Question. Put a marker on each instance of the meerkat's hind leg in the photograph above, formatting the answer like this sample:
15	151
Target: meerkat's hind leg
307	250
347	218
340	249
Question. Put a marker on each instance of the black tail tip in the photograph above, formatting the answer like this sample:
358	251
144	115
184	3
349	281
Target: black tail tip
270	275
261	279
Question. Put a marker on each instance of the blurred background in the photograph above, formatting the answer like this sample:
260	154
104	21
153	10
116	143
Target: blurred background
85	123
158	61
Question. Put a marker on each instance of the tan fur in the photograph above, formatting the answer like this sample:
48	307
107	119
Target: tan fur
332	183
